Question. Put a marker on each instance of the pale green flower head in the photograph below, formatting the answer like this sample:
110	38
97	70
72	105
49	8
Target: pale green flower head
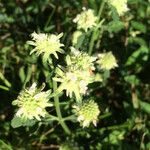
77	74
87	113
32	103
86	19
80	60
120	5
46	44
107	61
73	81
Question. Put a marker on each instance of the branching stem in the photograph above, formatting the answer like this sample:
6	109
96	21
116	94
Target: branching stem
56	102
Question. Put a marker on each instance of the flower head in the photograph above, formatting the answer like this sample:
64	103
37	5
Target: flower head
73	81
32	103
46	44
107	61
77	75
87	113
80	60
86	19
120	5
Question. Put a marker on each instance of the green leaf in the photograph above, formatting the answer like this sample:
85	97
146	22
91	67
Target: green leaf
140	55
4	146
22	74
145	106
80	41
18	122
115	26
132	79
139	26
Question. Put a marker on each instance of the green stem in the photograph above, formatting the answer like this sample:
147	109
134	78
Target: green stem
72	117
56	102
115	127
96	30
105	115
101	9
92	42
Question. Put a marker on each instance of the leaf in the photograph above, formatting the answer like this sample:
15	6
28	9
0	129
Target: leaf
18	122
132	79
115	26
145	106
140	55
4	146
80	41
139	26
22	74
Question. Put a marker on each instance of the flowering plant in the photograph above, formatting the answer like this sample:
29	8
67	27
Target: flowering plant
73	77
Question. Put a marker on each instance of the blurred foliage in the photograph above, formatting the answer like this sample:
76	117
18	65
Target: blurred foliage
126	94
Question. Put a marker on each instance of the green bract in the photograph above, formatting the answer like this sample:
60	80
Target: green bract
46	44
32	103
87	113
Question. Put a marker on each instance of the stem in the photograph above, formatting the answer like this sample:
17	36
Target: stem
56	102
101	9
96	30
92	42
72	117
105	115
115	127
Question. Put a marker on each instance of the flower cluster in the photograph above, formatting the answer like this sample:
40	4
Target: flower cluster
46	44
32	103
77	75
107	61
86	113
86	20
120	5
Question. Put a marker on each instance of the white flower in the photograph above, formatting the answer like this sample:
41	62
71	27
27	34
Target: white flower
107	61
86	20
32	103
120	5
77	75
46	44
